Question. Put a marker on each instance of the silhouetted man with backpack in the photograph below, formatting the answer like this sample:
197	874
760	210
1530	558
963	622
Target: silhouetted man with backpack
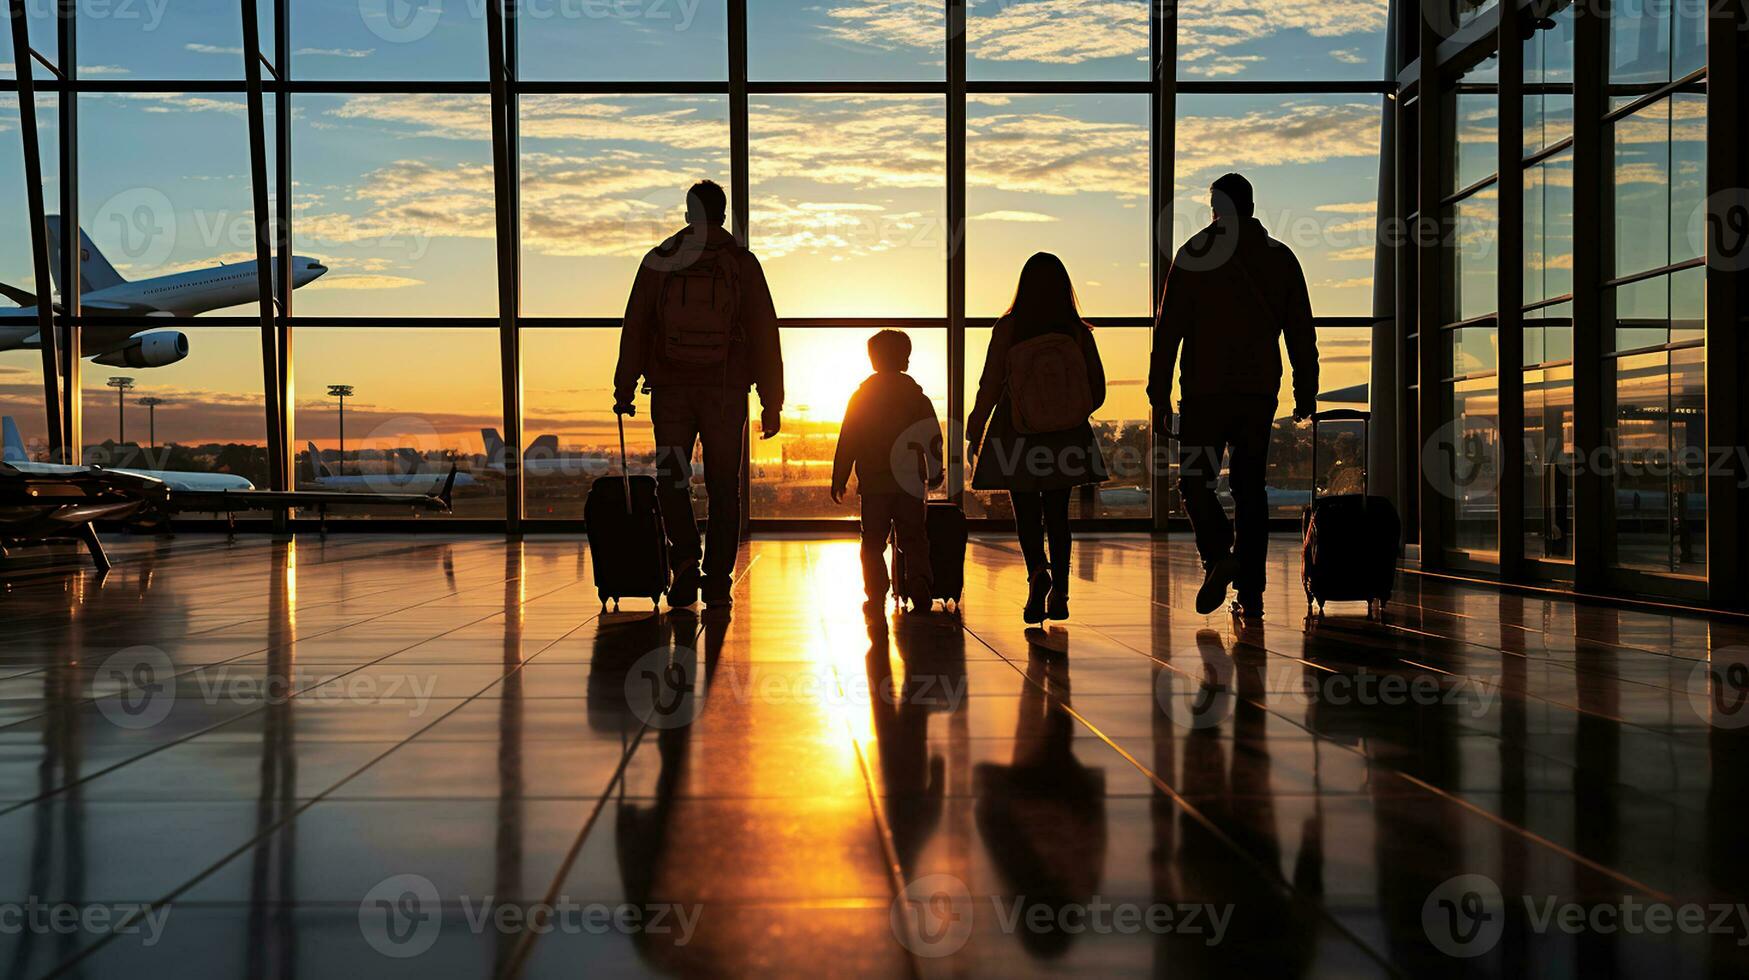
1232	294
700	330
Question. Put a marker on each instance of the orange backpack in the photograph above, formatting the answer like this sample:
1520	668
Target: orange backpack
1047	384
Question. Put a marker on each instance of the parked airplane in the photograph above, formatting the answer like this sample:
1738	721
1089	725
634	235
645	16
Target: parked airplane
102	290
542	457
321	477
12	452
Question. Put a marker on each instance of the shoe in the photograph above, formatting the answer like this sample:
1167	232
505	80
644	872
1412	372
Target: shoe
1249	608
683	593
1037	588
1057	606
1220	575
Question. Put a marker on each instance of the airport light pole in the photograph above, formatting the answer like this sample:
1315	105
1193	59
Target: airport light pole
122	386
152	404
341	392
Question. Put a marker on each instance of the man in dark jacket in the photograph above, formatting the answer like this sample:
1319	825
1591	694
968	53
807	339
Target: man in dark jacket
891	440
1233	293
700	330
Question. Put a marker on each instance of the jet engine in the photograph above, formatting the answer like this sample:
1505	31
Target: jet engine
148	350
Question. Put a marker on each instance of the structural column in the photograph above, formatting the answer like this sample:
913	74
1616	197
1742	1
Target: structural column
1727	267
956	248
500	26
1591	210
1509	310
72	365
23	59
1163	114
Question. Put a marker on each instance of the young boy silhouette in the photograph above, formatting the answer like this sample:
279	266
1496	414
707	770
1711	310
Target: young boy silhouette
891	440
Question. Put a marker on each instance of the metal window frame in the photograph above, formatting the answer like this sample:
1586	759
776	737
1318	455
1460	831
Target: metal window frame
278	321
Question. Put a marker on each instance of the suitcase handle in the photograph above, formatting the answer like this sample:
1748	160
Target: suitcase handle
625	470
1344	415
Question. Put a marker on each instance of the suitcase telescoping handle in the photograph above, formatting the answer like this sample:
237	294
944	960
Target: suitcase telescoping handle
1344	415
625	469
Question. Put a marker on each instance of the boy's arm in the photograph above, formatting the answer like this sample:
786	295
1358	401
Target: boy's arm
933	450
634	336
844	456
1169	323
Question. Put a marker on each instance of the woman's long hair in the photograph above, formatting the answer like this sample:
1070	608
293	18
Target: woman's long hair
1045	299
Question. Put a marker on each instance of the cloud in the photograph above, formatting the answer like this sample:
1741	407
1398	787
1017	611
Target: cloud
1024	217
364	282
1349	56
1295	134
211	49
334	52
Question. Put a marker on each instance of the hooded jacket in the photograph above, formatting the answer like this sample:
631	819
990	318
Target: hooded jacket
889	408
755	354
1227	302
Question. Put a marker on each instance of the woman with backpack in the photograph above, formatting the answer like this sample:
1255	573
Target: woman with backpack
1029	426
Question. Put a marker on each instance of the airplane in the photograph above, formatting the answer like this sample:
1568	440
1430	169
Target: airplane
103	291
542	457
12	452
321	477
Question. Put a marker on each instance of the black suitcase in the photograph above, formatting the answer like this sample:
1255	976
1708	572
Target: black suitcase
946	525
627	544
1351	541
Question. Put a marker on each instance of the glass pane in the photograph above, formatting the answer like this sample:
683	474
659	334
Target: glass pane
847	40
165	194
642	40
1474	465
347	39
202	414
1548	464
1344	374
394	195
1468	10
1657	434
403	430
1473	350
1057	173
1477	226
567	395
848	203
792	474
1341	39
1314	164
1120	425
1639	44
16	265
1642	314
604	179
1642	190
1057	39
1688	52
1548	84
186	39
1548	229
1548	335
1688	306
1687	177
1476	124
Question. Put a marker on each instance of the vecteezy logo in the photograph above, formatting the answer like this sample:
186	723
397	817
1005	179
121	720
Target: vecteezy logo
932	917
1465	916
663	688
139	687
141	224
1718	688
916	456
400	21
401	916
1203	705
1457	466
1719	229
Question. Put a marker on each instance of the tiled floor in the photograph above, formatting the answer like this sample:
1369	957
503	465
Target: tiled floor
438	757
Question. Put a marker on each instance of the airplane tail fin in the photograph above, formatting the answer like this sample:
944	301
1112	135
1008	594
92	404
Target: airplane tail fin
11	445
545	447
95	272
317	469
494	446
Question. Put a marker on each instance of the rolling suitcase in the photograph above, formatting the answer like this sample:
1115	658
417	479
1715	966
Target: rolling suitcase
946	525
627	544
1351	540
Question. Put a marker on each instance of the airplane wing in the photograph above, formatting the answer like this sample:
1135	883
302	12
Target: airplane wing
238	501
